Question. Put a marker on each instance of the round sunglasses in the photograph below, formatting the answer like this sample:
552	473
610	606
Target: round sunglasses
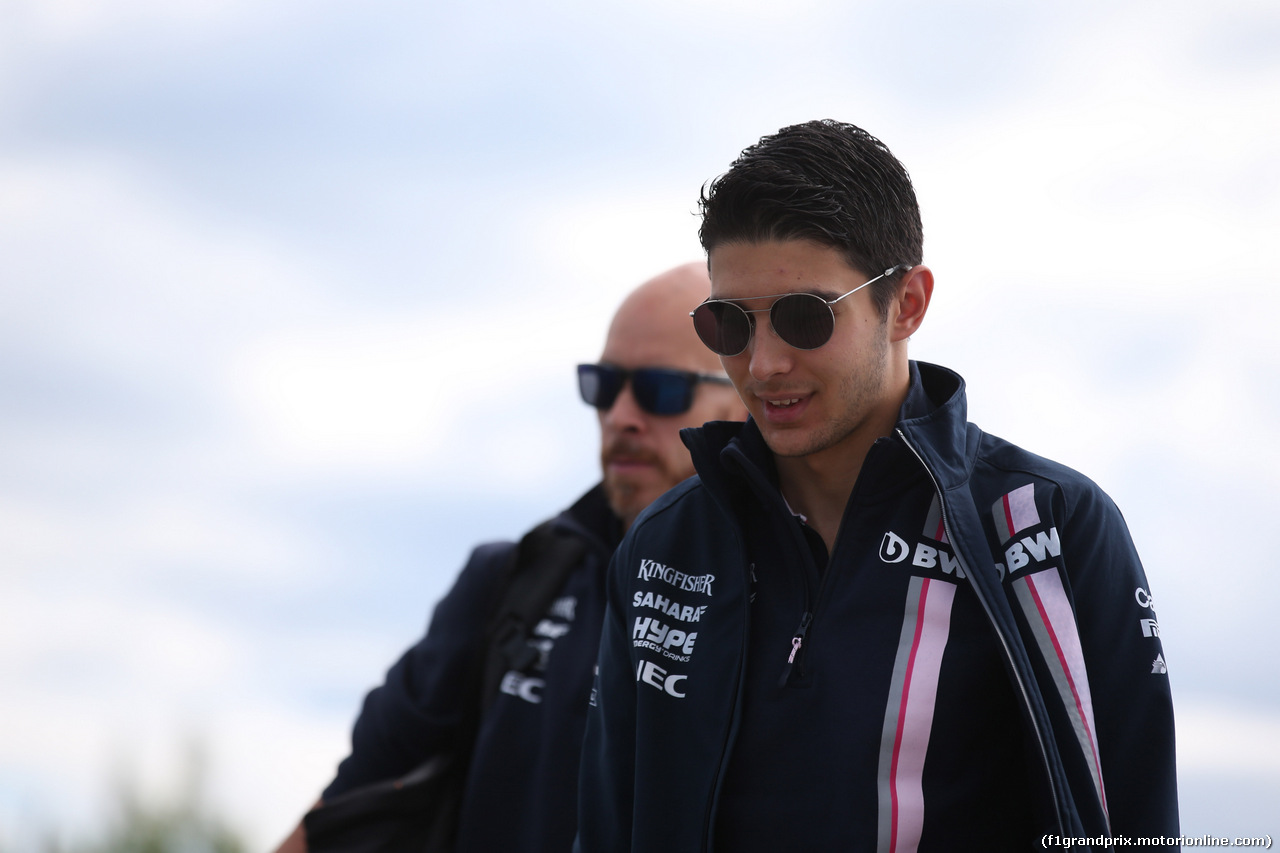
658	390
802	320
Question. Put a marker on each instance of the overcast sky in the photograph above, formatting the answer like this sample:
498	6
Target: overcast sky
290	296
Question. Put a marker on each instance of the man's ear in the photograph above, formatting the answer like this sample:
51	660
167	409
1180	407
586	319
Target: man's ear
912	302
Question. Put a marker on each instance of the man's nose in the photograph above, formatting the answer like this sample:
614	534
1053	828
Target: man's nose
625	414
769	354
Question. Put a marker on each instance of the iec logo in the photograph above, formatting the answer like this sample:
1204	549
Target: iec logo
893	548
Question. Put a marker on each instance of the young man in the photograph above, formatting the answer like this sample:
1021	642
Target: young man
653	379
898	633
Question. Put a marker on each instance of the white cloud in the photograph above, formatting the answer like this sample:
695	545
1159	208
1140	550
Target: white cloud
1215	736
407	396
58	23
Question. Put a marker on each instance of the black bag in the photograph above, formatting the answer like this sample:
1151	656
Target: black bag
418	813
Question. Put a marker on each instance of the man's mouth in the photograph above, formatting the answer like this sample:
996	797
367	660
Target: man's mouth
626	461
780	410
626	455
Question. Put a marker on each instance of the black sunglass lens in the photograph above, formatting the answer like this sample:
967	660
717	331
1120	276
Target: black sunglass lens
803	320
599	385
662	392
723	327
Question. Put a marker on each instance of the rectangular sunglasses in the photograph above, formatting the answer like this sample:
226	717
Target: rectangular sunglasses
802	320
658	390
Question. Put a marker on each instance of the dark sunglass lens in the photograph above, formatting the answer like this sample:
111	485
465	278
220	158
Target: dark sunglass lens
803	320
599	384
662	392
724	327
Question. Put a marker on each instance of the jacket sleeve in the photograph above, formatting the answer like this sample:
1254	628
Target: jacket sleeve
424	701
607	778
1127	672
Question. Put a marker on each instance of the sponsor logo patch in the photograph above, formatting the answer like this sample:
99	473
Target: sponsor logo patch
523	686
894	549
653	570
554	630
653	675
674	609
1031	549
564	608
648	633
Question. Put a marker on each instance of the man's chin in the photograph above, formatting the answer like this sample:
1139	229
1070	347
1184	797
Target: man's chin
795	443
787	443
628	499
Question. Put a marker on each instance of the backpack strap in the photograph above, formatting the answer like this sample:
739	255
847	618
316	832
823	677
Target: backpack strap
539	567
419	811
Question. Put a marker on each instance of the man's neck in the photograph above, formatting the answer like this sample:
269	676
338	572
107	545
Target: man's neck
818	485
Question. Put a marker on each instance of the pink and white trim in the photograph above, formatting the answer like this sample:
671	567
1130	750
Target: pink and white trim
908	718
1048	610
1015	511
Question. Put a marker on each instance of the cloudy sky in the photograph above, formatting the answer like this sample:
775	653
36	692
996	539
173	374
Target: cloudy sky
290	295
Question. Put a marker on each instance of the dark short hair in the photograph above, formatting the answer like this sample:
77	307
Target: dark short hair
825	181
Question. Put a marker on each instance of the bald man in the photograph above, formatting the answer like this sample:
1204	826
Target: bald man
653	379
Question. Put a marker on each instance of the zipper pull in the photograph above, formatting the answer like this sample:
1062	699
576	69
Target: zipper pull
796	642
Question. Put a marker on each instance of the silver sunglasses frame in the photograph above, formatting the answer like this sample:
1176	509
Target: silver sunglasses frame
776	296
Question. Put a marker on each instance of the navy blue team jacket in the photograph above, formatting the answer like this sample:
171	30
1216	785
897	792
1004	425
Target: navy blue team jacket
977	664
523	778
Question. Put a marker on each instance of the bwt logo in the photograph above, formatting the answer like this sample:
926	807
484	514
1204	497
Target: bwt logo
894	549
1045	544
655	676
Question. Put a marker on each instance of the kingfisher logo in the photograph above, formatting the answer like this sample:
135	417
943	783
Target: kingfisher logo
653	570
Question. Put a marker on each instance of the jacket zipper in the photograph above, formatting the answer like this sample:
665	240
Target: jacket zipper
1004	644
796	642
812	598
709	820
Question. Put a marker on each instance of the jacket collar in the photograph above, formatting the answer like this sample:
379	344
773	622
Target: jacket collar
591	519
933	420
941	433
